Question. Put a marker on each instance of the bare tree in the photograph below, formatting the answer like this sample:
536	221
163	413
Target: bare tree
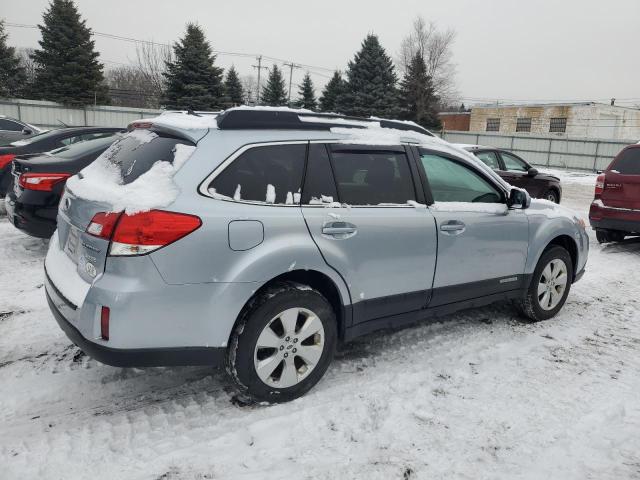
29	65
152	59
250	88
435	47
128	88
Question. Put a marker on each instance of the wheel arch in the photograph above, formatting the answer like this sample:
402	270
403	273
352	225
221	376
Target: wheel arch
566	242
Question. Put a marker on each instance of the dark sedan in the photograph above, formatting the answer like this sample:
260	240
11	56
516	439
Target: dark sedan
518	173
38	183
45	142
12	129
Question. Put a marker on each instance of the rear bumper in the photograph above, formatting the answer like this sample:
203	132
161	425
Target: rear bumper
30	219
134	357
609	218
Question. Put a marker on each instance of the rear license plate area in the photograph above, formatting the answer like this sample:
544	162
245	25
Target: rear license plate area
71	247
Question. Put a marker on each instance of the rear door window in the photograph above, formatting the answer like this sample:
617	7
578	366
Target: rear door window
319	185
451	181
271	174
136	153
373	177
628	163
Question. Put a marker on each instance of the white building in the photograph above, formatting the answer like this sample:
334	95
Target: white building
574	120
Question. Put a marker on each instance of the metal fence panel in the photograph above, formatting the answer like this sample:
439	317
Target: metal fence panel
52	115
573	153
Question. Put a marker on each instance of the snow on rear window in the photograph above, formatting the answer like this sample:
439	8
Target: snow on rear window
135	174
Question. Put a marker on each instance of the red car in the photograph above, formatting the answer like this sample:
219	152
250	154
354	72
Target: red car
615	210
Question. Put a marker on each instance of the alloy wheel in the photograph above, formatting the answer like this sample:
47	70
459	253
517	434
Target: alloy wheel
552	284
289	347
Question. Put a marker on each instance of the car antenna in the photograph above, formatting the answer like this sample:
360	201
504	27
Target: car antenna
63	124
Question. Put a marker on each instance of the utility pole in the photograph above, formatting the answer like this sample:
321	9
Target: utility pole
259	67
291	66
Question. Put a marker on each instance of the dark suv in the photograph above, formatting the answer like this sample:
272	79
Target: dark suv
518	172
615	210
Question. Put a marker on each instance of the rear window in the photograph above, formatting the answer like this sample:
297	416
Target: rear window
136	153
628	163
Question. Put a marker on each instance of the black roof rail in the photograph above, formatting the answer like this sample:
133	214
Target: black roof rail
250	119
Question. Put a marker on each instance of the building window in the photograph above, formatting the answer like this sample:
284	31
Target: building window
558	125
523	124
493	124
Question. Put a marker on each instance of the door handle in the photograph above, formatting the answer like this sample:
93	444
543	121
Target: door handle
339	228
453	227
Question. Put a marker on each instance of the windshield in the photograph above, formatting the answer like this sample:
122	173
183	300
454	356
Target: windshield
79	149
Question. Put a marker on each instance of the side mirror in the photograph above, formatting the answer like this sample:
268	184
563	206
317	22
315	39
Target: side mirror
532	172
27	131
519	199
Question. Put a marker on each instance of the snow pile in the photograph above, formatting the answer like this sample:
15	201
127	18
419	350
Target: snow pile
270	109
63	273
375	135
102	180
183	121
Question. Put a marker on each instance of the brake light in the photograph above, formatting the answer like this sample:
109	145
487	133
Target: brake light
42	182
142	233
600	185
102	224
135	125
104	323
6	159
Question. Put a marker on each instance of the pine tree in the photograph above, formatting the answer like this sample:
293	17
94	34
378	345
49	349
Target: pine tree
67	66
371	83
307	94
417	98
12	75
462	107
332	91
274	92
234	93
193	81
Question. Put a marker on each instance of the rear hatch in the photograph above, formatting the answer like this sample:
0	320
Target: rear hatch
622	180
129	158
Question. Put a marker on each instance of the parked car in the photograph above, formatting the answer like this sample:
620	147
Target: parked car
45	142
12	130
279	237
615	210
38	182
518	173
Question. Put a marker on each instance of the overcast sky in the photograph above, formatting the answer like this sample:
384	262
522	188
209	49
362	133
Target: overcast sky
551	50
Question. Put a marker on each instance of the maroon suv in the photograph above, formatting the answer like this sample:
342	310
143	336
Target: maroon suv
615	210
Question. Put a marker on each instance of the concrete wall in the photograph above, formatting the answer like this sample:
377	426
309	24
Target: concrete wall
50	114
597	121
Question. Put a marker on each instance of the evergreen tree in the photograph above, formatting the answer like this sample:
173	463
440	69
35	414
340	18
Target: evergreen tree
12	75
234	93
67	66
463	108
417	98
331	93
371	83
193	81
307	94
274	92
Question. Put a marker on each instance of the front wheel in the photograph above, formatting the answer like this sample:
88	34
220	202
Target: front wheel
549	286
282	344
552	196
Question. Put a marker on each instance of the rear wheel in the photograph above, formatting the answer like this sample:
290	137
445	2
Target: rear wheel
549	286
552	196
283	344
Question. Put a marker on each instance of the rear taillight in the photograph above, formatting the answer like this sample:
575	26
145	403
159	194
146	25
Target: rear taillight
102	224
6	159
600	185
42	182
143	232
104	323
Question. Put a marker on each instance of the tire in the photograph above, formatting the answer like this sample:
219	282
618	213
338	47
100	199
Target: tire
538	303
261	338
552	196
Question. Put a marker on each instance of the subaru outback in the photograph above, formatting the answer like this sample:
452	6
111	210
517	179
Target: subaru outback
260	239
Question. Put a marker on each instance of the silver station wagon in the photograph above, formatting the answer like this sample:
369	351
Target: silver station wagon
259	239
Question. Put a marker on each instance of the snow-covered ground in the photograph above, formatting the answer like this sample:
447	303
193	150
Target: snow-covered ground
480	395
